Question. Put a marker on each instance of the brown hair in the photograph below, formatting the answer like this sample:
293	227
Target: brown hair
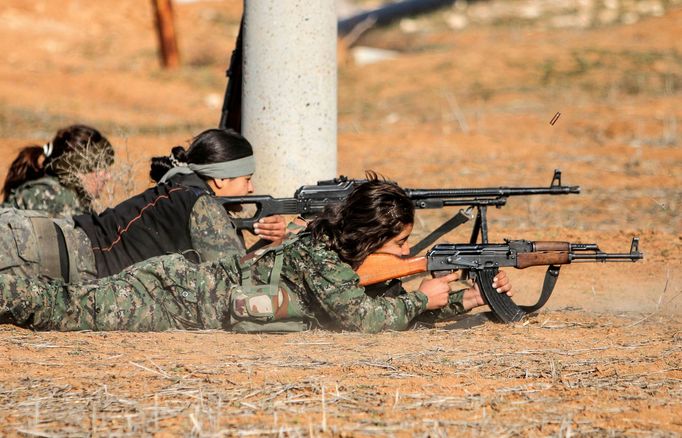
74	150
25	167
78	149
375	212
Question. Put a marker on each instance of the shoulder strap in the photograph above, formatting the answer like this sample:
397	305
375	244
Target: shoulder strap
51	247
276	272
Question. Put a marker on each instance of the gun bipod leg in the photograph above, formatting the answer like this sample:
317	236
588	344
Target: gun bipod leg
481	225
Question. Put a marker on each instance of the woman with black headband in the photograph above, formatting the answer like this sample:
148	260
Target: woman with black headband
178	216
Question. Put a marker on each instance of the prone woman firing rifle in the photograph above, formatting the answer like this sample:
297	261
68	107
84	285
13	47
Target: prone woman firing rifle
310	200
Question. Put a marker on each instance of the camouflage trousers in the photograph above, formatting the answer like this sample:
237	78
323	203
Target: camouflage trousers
25	251
161	293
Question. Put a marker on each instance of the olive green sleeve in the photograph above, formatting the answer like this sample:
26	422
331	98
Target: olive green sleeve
212	232
453	308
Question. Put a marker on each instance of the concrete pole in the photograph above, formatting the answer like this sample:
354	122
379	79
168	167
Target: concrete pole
289	96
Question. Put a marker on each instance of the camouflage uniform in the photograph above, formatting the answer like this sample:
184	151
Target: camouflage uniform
49	195
331	297
158	294
23	252
212	233
171	293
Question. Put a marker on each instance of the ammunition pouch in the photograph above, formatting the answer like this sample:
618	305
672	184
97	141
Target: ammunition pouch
258	308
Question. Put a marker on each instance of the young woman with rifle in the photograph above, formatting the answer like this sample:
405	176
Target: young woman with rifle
308	281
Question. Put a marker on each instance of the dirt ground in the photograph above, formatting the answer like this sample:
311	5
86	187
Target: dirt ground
455	106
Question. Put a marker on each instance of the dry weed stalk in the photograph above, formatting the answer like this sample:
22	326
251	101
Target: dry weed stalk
115	181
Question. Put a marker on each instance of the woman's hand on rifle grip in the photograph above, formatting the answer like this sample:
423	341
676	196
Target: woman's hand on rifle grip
502	284
438	289
272	228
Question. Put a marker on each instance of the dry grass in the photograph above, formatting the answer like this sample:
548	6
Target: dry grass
560	374
121	180
468	108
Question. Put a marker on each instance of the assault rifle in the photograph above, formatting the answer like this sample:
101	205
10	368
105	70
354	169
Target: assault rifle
480	262
310	200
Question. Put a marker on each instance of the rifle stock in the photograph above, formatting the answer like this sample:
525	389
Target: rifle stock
378	268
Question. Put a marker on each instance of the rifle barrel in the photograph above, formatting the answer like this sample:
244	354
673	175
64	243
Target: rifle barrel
490	192
603	257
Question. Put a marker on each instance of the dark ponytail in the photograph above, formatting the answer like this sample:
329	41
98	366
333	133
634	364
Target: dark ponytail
161	165
210	146
26	166
375	212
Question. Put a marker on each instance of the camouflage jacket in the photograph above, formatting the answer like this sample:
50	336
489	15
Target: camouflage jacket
212	232
329	291
161	293
165	219
49	195
169	292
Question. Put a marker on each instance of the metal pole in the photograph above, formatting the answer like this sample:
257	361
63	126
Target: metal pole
289	96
